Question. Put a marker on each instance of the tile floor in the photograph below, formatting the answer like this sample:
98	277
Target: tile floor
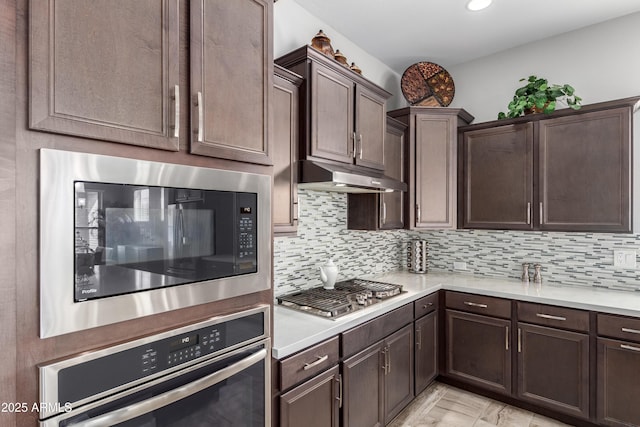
445	406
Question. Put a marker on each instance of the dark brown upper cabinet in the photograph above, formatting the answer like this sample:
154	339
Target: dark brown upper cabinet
568	171
285	150
497	177
106	70
231	79
110	71
383	211
343	113
431	159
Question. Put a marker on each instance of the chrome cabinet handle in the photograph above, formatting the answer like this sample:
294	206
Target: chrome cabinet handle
388	360
318	361
137	409
528	213
550	317
506	338
339	398
519	340
384	362
384	212
629	347
200	117
417	213
360	142
541	214
176	111
296	211
424	307
354	146
419	338
475	304
631	331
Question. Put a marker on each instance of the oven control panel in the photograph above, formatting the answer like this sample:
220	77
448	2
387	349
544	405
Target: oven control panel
92	376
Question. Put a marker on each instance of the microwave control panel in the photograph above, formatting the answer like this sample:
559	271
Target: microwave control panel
247	232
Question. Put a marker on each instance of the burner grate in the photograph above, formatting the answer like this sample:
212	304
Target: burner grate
376	289
347	296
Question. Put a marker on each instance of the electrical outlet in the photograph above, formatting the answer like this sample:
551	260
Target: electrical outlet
624	258
459	265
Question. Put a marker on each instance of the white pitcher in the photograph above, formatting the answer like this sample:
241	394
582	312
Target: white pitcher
328	274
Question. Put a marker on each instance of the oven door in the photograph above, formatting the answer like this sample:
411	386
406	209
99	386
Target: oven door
231	390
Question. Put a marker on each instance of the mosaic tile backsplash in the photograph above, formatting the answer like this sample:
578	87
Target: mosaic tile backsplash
581	259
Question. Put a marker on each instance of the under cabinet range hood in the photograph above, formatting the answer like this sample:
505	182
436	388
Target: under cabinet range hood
322	176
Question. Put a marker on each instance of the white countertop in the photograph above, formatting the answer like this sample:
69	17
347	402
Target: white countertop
295	330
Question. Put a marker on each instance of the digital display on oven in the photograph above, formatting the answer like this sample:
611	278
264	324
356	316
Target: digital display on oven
182	342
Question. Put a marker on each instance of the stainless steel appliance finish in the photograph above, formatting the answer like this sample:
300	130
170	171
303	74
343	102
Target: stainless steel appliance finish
59	170
194	375
346	178
418	256
347	296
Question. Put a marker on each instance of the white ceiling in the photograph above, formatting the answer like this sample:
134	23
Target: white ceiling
403	32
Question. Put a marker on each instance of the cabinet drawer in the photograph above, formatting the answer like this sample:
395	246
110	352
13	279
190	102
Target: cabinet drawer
374	330
309	362
425	305
479	304
627	328
557	317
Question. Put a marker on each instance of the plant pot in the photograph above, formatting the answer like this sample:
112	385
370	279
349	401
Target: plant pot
535	110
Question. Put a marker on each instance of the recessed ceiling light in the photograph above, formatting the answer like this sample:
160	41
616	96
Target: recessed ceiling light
478	4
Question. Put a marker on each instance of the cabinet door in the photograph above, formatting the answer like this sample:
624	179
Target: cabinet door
398	379
285	156
363	376
478	350
314	403
370	116
332	131
435	171
618	386
426	349
231	78
584	169
106	70
498	177
553	369
392	204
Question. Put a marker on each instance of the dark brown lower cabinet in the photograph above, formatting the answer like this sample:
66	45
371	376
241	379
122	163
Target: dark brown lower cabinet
315	403
426	350
479	350
398	379
378	381
618	383
553	369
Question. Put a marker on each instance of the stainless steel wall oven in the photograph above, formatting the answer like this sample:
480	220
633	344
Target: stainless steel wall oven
213	373
123	238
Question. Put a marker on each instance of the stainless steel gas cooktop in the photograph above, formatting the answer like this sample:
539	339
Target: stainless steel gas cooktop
347	296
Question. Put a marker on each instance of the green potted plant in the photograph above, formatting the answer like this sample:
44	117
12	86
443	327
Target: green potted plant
540	96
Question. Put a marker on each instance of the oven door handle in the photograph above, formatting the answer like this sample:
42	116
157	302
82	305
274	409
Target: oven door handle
129	412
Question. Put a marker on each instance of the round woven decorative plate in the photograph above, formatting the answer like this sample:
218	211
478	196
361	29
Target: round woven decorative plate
428	85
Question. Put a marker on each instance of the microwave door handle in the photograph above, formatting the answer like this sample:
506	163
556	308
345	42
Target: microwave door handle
132	411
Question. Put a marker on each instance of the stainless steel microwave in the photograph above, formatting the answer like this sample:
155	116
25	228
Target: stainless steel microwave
123	238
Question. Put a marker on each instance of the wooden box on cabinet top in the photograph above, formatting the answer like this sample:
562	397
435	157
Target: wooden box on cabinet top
569	171
431	158
344	113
